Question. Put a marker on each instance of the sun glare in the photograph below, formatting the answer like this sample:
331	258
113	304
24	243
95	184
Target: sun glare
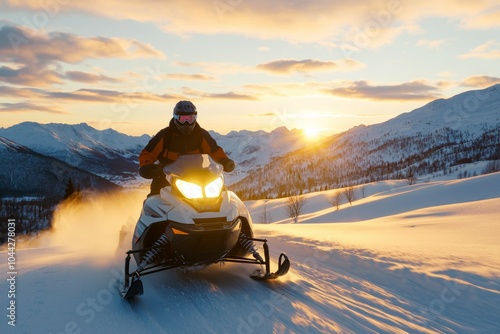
311	132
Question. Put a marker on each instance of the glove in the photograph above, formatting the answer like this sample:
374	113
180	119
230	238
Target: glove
151	171
228	165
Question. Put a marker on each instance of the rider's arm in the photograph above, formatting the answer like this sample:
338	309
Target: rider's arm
153	149
209	146
149	155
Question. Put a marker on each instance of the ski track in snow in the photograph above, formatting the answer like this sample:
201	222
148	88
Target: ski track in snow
337	283
349	290
327	291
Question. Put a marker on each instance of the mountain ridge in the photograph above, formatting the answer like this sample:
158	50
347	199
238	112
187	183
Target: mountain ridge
41	175
427	140
114	156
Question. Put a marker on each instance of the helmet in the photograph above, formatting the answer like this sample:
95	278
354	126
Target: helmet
185	115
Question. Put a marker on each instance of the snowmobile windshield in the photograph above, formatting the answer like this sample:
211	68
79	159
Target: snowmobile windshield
198	168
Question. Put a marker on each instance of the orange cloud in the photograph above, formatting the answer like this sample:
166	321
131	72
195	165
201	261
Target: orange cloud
12	92
415	90
217	67
488	50
482	81
19	45
29	76
43	77
226	95
34	58
287	66
29	107
82	96
489	19
188	77
104	96
299	21
89	77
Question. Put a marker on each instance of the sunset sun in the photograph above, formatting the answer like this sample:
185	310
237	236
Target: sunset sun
311	132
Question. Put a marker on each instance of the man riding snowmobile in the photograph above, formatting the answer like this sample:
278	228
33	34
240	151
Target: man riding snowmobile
190	218
182	136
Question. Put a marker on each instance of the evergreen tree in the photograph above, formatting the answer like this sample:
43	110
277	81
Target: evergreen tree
70	188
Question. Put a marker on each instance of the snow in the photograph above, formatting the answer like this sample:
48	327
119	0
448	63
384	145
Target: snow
422	258
54	137
470	112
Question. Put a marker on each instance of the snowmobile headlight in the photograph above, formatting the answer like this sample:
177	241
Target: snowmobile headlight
188	189
214	188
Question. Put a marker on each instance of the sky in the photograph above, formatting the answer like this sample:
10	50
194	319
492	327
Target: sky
324	66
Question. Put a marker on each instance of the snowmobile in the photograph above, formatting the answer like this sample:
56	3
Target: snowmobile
194	221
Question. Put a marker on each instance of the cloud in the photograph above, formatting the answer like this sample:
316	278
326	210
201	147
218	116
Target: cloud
410	91
188	77
281	89
297	21
89	77
373	35
18	45
487	50
227	95
415	90
287	66
28	76
217	67
482	81
29	107
231	96
487	20
13	92
84	96
105	96
34	59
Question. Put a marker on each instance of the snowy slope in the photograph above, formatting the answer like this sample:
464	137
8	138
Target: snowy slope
470	111
419	259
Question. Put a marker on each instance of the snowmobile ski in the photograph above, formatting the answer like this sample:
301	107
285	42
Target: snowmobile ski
283	267
134	289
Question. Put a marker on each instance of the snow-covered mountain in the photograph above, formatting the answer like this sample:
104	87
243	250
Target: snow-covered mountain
24	172
427	140
114	155
253	150
107	153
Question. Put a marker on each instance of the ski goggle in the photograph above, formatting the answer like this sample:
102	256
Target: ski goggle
185	118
